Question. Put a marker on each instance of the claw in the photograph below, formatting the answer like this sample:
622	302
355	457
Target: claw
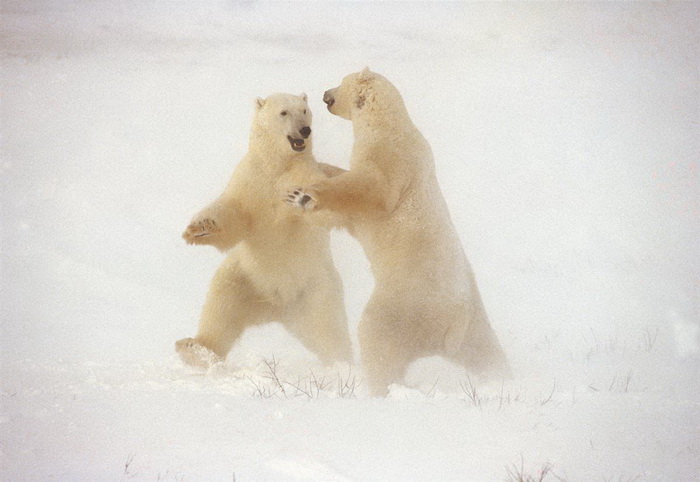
299	199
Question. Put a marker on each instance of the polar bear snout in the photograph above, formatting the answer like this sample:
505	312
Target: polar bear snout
298	143
329	98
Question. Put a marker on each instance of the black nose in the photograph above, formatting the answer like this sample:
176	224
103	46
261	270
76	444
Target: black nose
328	97
305	132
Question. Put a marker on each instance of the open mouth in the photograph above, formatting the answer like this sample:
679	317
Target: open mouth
297	144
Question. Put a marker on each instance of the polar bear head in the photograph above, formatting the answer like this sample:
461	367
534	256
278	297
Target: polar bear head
283	122
363	93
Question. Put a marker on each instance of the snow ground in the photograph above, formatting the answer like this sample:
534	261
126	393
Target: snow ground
566	141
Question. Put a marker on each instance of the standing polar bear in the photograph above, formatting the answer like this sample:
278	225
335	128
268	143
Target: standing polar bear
425	301
280	267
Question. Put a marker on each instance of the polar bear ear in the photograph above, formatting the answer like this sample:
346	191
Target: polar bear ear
363	87
259	102
304	97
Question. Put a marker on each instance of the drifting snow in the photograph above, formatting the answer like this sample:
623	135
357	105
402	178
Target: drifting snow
565	137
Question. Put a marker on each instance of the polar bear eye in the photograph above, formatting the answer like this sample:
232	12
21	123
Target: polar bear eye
284	112
304	111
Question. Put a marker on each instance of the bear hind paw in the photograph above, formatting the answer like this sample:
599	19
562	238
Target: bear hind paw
195	354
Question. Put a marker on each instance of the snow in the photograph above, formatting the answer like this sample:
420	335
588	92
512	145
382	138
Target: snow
566	142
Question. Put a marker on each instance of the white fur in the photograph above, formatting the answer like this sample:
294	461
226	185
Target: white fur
425	300
279	267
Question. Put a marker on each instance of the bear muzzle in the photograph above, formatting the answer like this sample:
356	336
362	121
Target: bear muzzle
328	98
298	145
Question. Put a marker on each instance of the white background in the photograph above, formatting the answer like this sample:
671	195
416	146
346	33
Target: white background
566	143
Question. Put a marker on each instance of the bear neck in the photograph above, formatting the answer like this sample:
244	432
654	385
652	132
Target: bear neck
378	120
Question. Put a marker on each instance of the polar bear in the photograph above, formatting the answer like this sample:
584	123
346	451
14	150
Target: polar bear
280	266
425	301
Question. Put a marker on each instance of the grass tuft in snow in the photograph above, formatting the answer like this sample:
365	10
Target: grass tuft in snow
621	384
347	385
470	390
551	394
272	383
649	339
516	473
128	474
271	365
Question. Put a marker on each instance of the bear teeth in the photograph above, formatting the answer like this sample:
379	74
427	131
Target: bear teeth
297	144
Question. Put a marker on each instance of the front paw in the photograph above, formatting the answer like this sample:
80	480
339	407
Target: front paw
199	230
301	199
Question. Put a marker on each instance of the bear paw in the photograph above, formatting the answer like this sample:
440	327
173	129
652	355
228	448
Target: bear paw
195	354
301	200
199	229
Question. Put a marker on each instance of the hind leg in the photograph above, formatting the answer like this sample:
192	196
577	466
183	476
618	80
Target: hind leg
232	304
319	321
389	342
479	350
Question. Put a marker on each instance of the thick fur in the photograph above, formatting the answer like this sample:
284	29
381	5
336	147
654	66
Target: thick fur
425	300
279	267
